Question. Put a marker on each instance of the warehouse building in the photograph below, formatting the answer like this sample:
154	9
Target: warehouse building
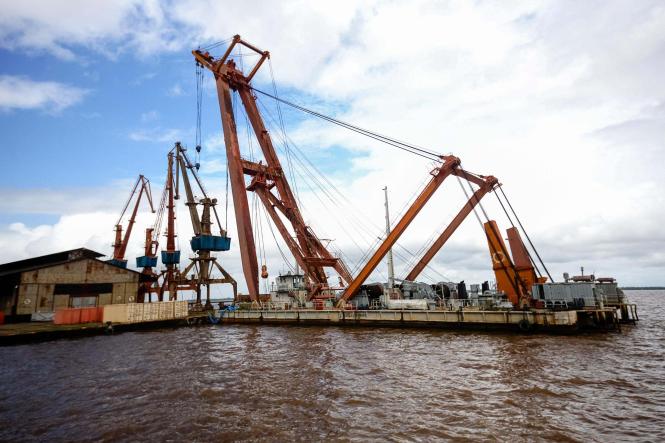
36	287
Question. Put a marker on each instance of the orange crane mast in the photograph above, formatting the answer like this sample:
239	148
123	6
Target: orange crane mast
148	260
514	276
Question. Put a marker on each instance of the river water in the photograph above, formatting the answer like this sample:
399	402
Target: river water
281	383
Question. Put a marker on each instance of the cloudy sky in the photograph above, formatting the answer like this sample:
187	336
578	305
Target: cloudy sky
563	101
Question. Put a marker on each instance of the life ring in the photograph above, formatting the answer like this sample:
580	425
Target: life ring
524	325
498	257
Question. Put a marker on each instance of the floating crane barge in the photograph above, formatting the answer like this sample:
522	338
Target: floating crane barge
523	298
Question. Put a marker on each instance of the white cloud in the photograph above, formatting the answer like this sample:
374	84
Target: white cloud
62	27
143	78
18	92
214	166
175	91
158	135
149	116
215	142
562	102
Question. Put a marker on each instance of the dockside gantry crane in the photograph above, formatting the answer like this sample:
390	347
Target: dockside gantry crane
204	241
120	243
148	261
170	255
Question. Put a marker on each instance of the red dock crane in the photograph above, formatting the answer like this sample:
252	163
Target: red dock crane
170	255
120	244
269	183
148	261
486	184
204	241
268	180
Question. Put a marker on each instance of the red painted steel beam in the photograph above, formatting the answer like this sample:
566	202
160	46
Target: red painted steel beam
439	175
120	247
315	273
264	176
248	258
470	177
486	186
263	194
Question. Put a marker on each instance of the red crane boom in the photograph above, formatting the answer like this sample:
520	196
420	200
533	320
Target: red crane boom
120	244
486	185
311	255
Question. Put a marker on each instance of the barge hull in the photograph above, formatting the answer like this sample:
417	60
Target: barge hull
525	321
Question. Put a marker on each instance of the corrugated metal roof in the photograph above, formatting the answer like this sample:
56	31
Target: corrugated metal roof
47	260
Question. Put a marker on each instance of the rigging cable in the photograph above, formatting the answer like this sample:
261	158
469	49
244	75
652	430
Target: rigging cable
215	44
313	179
526	235
493	251
129	200
226	209
160	215
382	138
286	260
283	129
513	225
363	226
364	132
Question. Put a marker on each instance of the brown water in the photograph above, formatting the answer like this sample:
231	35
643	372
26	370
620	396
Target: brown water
272	383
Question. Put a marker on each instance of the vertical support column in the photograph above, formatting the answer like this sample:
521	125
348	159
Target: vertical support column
391	267
250	265
170	282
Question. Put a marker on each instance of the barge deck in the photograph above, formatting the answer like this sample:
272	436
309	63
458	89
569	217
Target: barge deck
524	321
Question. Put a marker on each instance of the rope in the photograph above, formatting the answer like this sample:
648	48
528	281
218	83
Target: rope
199	102
288	264
357	223
160	214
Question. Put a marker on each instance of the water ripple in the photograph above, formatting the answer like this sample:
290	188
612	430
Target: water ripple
271	383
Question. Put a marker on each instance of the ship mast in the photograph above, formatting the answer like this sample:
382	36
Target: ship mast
391	267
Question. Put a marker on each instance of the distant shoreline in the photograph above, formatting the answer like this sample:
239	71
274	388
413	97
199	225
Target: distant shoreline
642	288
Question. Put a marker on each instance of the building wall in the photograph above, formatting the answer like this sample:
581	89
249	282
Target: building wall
36	288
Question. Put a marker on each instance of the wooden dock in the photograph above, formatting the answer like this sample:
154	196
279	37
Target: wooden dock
29	332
